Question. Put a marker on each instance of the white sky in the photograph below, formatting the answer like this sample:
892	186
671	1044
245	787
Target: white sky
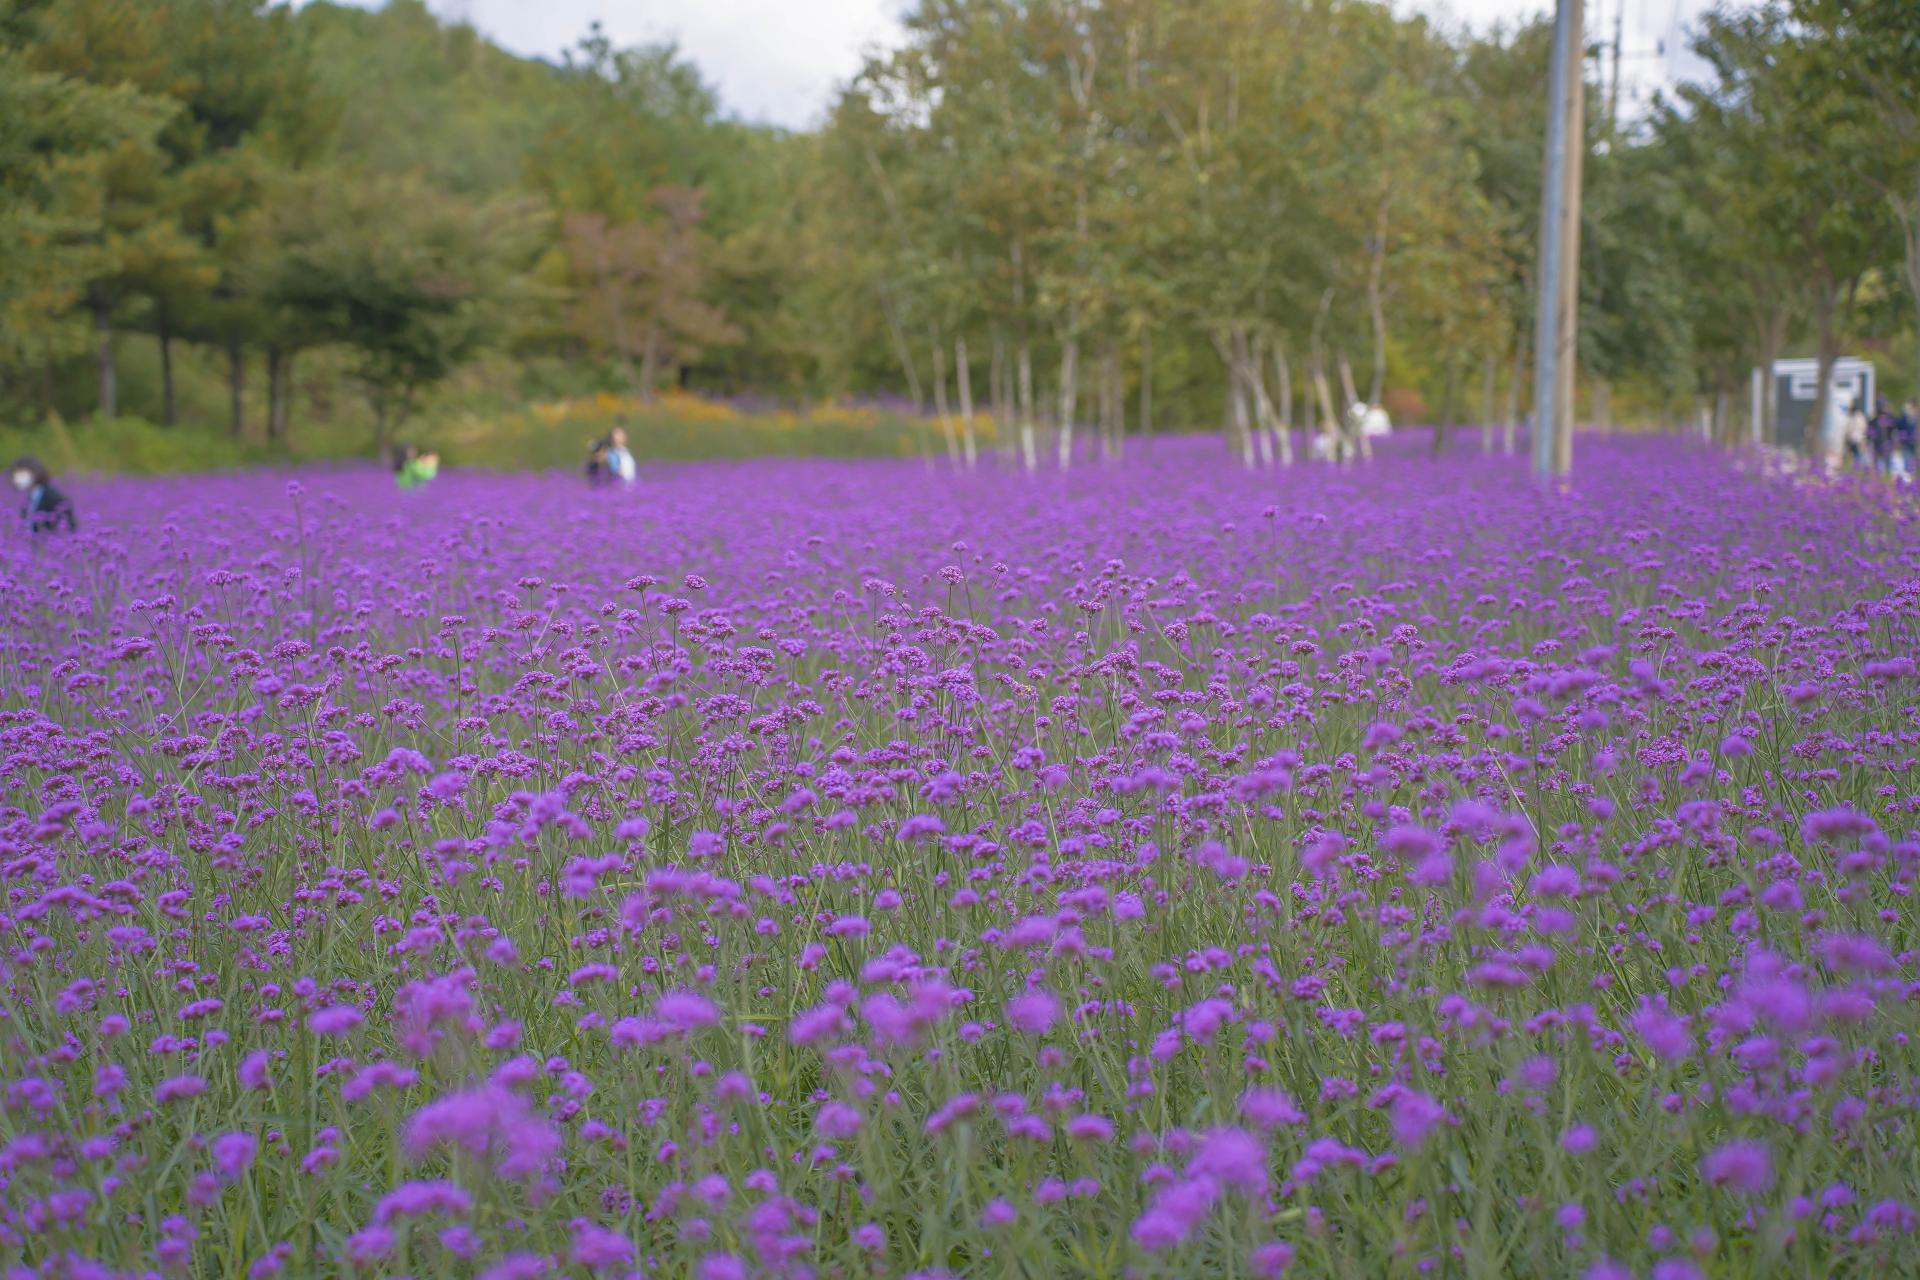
779	61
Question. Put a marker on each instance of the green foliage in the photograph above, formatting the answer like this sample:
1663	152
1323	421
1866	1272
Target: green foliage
411	280
1122	211
58	135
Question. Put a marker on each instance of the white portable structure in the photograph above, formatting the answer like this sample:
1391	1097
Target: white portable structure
1793	389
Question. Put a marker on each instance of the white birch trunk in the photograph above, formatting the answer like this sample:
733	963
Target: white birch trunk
940	400
1069	394
1029	450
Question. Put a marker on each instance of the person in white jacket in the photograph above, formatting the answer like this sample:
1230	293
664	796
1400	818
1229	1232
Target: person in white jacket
1853	434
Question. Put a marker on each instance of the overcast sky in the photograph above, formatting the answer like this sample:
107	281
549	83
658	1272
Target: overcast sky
779	61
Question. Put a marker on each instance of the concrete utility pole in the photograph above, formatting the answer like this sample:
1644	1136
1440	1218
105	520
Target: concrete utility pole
1556	320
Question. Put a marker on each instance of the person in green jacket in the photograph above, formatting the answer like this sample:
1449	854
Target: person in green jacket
412	469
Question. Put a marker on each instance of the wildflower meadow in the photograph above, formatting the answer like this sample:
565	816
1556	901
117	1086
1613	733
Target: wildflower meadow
829	870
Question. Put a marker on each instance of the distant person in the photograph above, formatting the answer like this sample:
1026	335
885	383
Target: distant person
47	510
1906	435
413	469
609	460
1880	435
619	457
1853	434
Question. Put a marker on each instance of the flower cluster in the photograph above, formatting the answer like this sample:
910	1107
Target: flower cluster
796	869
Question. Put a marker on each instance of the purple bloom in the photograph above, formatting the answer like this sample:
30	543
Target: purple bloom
1414	1116
413	1199
1578	1139
598	1249
1270	1261
1033	1012
233	1153
335	1021
175	1088
686	1011
1744	1166
1232	1158
720	1266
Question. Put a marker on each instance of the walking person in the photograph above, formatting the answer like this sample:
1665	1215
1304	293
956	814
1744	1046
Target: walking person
46	509
1853	434
1880	436
1906	434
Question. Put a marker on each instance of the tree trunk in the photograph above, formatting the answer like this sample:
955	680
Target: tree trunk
283	429
998	393
1832	306
1253	357
236	387
639	383
276	390
1029	447
1376	303
649	361
1331	422
1113	403
970	444
1602	404
1146	387
901	351
1310	418
1283	379
1342	446
1443	423
1908	213
940	398
1069	394
109	400
1510	425
1832	446
163	330
1243	422
1773	338
1023	359
382	431
1488	377
1235	424
1360	443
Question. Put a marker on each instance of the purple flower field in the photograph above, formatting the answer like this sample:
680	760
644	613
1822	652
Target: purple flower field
850	870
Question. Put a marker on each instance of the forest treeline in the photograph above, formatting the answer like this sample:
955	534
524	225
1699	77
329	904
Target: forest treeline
1080	216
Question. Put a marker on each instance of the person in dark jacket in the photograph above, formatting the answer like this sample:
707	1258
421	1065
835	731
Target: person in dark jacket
47	510
1906	435
1880	435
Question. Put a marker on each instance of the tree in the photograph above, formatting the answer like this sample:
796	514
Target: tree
1792	204
58	136
638	287
411	280
1868	54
